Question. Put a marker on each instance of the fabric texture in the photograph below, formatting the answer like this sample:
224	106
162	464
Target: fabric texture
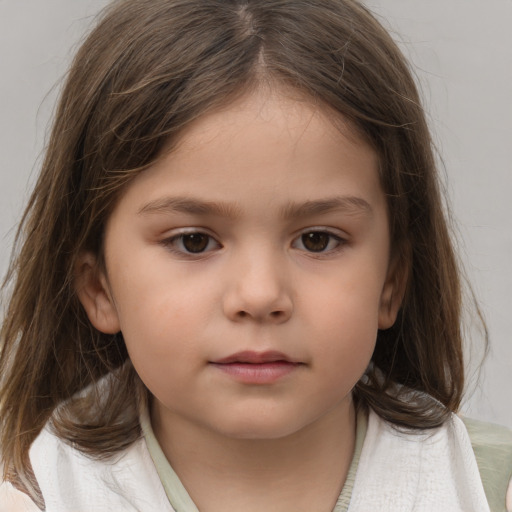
71	481
174	489
343	502
12	500
399	472
421	472
492	445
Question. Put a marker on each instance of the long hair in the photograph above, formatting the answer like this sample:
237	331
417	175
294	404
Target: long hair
147	70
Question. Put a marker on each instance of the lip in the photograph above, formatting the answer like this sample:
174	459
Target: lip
250	367
253	357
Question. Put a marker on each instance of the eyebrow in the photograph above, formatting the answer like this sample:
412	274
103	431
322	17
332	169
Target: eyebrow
190	206
351	205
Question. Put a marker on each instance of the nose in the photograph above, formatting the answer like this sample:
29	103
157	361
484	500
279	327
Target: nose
259	291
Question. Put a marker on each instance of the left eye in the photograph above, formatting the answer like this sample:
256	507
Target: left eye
318	241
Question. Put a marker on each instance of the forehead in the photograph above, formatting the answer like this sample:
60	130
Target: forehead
271	105
270	146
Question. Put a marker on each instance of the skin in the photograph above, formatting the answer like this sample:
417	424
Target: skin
255	184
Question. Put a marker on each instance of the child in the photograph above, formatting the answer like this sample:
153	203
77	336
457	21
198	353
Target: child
236	289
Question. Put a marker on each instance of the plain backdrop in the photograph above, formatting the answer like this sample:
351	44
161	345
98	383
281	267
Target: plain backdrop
462	53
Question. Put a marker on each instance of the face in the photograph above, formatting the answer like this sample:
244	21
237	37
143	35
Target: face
249	269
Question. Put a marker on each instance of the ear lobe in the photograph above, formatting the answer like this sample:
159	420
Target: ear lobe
92	288
394	289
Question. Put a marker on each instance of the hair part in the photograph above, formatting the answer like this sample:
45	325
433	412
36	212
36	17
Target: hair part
148	69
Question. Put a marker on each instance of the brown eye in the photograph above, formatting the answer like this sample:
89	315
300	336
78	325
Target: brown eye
191	243
316	241
195	242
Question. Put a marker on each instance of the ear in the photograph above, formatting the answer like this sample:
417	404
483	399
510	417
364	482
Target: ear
394	288
93	292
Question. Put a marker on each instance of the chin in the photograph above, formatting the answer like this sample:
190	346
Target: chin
259	428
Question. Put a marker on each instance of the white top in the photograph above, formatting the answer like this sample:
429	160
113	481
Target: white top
397	472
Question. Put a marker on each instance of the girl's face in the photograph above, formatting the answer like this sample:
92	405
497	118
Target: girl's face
249	270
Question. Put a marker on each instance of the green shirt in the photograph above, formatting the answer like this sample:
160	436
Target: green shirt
492	445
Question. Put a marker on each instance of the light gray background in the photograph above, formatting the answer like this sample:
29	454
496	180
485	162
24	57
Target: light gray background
462	52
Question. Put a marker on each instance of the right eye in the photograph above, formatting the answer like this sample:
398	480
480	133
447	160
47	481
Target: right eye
194	242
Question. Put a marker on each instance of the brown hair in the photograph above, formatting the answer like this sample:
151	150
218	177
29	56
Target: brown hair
148	69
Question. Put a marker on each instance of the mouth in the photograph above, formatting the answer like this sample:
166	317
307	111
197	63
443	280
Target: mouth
252	357
250	367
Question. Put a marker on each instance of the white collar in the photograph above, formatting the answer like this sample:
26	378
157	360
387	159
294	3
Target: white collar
397	472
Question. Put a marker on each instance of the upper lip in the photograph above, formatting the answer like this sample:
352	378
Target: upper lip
253	357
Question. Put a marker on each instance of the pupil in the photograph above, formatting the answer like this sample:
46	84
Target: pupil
315	241
195	242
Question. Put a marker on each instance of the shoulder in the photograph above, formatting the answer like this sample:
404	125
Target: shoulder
421	470
70	479
492	445
12	500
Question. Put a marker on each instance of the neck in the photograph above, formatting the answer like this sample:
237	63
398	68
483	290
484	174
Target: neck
305	470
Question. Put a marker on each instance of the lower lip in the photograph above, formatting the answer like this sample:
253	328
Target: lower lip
257	373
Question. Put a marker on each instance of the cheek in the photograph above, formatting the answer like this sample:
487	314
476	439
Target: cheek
162	327
153	295
161	322
347	306
348	344
344	322
343	360
162	345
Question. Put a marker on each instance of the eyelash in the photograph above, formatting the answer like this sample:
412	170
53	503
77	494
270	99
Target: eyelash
172	243
338	241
